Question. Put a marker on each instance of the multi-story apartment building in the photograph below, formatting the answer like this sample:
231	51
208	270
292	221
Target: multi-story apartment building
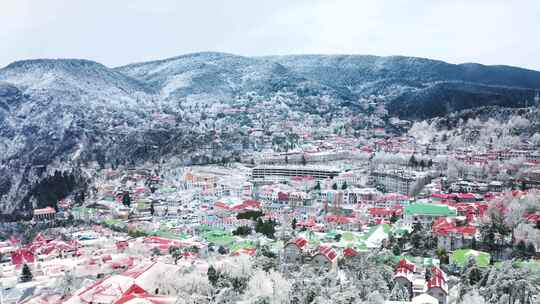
283	173
398	181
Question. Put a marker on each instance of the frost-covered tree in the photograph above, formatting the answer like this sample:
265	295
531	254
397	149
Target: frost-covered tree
518	122
472	297
423	132
511	284
193	287
375	298
454	169
535	139
399	293
267	287
529	233
67	284
368	275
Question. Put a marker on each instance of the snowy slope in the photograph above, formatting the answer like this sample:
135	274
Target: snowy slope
418	87
52	111
64	114
221	77
74	80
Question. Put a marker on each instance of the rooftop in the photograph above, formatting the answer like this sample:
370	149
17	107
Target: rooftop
430	209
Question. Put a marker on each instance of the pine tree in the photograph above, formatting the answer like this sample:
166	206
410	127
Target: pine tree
521	248
26	274
242	230
396	250
126	199
412	161
176	253
531	250
394	218
222	250
213	275
417	238
156	251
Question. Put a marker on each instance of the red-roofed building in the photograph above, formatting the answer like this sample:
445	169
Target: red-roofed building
326	257
54	248
366	149
432	281
282	196
39	239
137	298
443	196
384	214
122	264
245	251
22	256
532	218
392	199
404	274
436	285
307	223
235	206
293	250
122	245
246	205
466	197
132	286
452	235
345	222
350	252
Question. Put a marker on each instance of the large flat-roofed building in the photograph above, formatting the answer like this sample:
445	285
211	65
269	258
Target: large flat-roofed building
276	173
398	181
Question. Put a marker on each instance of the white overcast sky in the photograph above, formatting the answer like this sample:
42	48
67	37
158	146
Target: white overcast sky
117	32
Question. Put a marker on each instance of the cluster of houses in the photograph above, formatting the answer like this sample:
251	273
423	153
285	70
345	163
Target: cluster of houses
342	196
421	281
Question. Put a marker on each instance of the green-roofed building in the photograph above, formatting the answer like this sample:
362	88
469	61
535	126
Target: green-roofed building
171	235
461	257
426	213
114	223
167	190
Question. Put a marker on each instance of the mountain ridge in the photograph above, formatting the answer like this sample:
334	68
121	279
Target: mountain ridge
58	116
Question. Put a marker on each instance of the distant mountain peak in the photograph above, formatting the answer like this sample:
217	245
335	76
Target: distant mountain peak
54	63
69	74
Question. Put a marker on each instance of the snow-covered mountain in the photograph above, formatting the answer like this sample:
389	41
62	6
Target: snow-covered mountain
218	77
418	87
52	110
61	115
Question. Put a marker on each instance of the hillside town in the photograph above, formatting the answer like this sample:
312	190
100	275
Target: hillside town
269	152
341	218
